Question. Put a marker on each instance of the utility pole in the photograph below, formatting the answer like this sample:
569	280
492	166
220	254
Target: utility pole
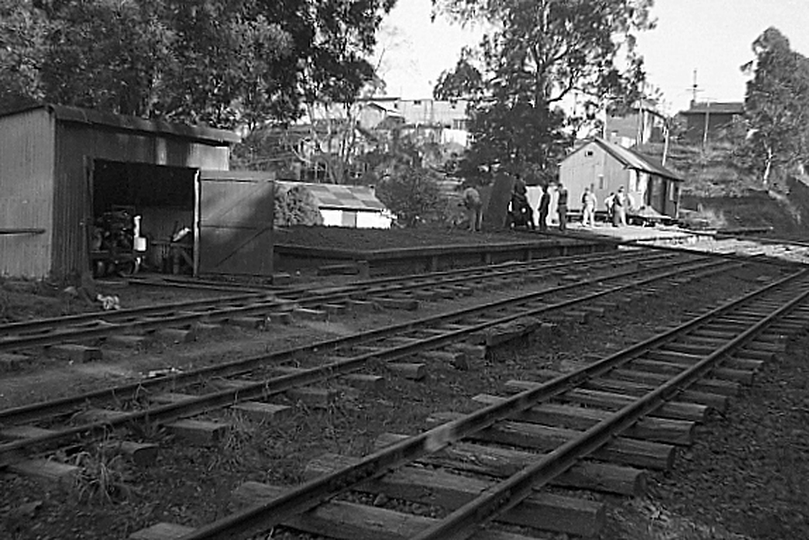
695	89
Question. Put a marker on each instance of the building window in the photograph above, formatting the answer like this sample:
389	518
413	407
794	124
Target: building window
673	192
588	153
458	123
600	181
417	102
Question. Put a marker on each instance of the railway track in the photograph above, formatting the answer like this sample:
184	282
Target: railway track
38	427
486	475
254	307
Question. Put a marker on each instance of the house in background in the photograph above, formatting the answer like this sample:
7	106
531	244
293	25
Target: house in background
707	121
604	166
346	206
641	124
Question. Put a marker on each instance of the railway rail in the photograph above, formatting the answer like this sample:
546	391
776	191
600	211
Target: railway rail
44	425
402	292
629	410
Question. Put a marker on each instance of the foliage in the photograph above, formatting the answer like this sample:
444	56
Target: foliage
518	137
537	55
226	62
465	80
23	33
412	194
296	206
776	108
104	474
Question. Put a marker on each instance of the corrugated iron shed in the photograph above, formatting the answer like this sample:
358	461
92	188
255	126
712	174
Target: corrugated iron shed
47	153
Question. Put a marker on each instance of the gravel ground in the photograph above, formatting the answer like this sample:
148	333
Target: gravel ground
747	473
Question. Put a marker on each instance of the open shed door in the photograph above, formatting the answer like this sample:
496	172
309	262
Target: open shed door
234	233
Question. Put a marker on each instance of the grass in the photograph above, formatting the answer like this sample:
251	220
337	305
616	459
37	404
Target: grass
104	473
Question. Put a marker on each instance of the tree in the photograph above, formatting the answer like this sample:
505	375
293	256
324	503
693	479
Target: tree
23	34
113	56
776	107
412	194
464	80
539	53
225	62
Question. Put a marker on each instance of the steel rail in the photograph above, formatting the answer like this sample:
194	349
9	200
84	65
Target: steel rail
264	515
113	323
83	318
241	366
463	522
198	404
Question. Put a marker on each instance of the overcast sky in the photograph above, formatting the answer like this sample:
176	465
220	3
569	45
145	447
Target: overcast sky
713	37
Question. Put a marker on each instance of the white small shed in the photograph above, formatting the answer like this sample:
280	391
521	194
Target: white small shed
347	206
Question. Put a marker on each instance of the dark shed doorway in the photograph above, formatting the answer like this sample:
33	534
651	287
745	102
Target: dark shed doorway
138	200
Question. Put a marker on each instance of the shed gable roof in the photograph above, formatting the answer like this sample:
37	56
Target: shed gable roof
632	159
132	123
341	197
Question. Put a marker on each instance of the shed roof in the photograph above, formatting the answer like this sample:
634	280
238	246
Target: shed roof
341	197
132	123
717	107
632	159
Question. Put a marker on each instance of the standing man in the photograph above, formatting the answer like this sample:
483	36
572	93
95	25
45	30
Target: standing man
609	203
544	204
588	205
474	208
561	207
619	203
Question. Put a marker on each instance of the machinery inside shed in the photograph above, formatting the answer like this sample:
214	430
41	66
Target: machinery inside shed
143	218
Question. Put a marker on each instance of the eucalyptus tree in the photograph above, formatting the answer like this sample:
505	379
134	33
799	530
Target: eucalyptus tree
776	107
535	58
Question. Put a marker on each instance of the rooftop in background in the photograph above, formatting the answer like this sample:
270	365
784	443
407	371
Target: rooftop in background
345	197
717	107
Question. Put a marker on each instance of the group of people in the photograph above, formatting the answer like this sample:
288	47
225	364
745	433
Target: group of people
521	213
616	204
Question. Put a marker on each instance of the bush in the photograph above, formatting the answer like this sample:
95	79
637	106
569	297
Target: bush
413	195
297	206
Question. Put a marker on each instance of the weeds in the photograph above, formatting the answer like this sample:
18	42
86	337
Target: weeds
147	430
103	474
236	443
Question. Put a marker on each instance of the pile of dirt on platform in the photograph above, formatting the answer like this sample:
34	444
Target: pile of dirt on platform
372	239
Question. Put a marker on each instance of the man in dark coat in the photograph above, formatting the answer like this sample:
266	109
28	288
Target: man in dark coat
544	204
521	212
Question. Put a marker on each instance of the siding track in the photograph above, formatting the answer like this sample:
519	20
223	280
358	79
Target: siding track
401	292
456	334
636	397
